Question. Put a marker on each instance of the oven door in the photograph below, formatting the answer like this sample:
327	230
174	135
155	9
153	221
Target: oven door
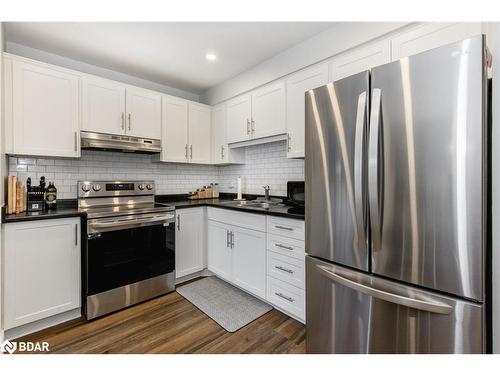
127	250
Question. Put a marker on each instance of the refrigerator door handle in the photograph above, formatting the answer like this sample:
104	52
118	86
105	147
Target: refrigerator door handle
358	170
424	305
373	169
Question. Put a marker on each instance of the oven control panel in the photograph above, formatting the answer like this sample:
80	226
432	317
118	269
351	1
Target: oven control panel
88	189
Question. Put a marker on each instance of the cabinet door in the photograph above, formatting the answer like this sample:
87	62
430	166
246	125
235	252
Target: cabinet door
431	35
219	252
296	86
268	110
143	113
45	111
219	151
174	140
42	269
360	59
239	112
189	240
249	260
199	134
103	106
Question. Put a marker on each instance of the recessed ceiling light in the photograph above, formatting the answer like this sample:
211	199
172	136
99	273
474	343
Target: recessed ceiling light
211	56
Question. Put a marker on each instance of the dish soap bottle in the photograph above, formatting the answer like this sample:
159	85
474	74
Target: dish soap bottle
51	197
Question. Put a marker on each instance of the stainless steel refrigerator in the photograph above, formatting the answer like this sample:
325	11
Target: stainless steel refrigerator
396	206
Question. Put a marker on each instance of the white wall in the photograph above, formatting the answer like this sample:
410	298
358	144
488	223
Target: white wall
50	58
320	47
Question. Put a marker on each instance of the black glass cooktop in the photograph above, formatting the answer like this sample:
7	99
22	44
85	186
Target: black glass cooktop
297	210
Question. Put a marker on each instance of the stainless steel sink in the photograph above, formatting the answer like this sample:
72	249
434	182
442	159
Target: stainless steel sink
258	203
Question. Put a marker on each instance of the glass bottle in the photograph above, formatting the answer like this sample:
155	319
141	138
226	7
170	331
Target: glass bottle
51	197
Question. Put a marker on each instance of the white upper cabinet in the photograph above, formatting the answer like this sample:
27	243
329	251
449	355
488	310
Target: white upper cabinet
41	109
431	35
174	140
259	114
360	59
268	110
199	133
221	153
143	113
239	113
103	105
296	86
186	132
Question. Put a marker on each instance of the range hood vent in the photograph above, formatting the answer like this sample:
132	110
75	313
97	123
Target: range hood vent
112	142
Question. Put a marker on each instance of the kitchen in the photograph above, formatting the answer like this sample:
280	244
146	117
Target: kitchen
157	220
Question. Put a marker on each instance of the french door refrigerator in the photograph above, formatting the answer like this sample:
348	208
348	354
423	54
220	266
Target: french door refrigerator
396	206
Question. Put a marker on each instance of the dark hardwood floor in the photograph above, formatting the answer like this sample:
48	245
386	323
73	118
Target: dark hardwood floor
171	324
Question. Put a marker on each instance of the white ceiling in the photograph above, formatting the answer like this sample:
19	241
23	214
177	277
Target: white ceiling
170	53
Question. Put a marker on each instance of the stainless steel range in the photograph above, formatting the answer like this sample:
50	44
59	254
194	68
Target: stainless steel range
130	253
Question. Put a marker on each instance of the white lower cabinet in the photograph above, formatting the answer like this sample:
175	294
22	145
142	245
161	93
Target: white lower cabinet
249	260
189	241
238	254
42	270
219	252
263	255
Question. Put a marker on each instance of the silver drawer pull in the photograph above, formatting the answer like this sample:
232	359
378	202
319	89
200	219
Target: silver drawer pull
284	269
281	295
282	227
283	246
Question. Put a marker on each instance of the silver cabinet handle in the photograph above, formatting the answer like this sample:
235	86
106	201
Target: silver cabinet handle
227	238
248	127
287	270
425	305
232	239
76	141
123	120
129	122
359	151
178	222
222	152
288	139
373	167
191	151
282	227
76	234
283	246
281	295
186	151
253	126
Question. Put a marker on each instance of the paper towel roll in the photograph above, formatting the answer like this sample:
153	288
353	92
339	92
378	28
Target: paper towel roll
239	189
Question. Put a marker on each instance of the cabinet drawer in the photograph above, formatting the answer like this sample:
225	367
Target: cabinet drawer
241	219
287	297
286	246
288	269
286	227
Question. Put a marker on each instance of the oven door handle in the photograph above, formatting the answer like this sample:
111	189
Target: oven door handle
123	224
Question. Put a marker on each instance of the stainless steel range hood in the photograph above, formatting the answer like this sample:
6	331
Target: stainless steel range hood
125	143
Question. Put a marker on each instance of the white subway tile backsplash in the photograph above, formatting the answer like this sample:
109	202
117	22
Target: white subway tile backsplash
265	165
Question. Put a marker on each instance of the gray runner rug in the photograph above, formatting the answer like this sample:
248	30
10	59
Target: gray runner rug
229	306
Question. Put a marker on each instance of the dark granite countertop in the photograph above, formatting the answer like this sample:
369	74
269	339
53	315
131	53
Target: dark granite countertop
181	201
66	208
69	208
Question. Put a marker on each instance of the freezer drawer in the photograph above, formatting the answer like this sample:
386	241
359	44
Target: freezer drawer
352	312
